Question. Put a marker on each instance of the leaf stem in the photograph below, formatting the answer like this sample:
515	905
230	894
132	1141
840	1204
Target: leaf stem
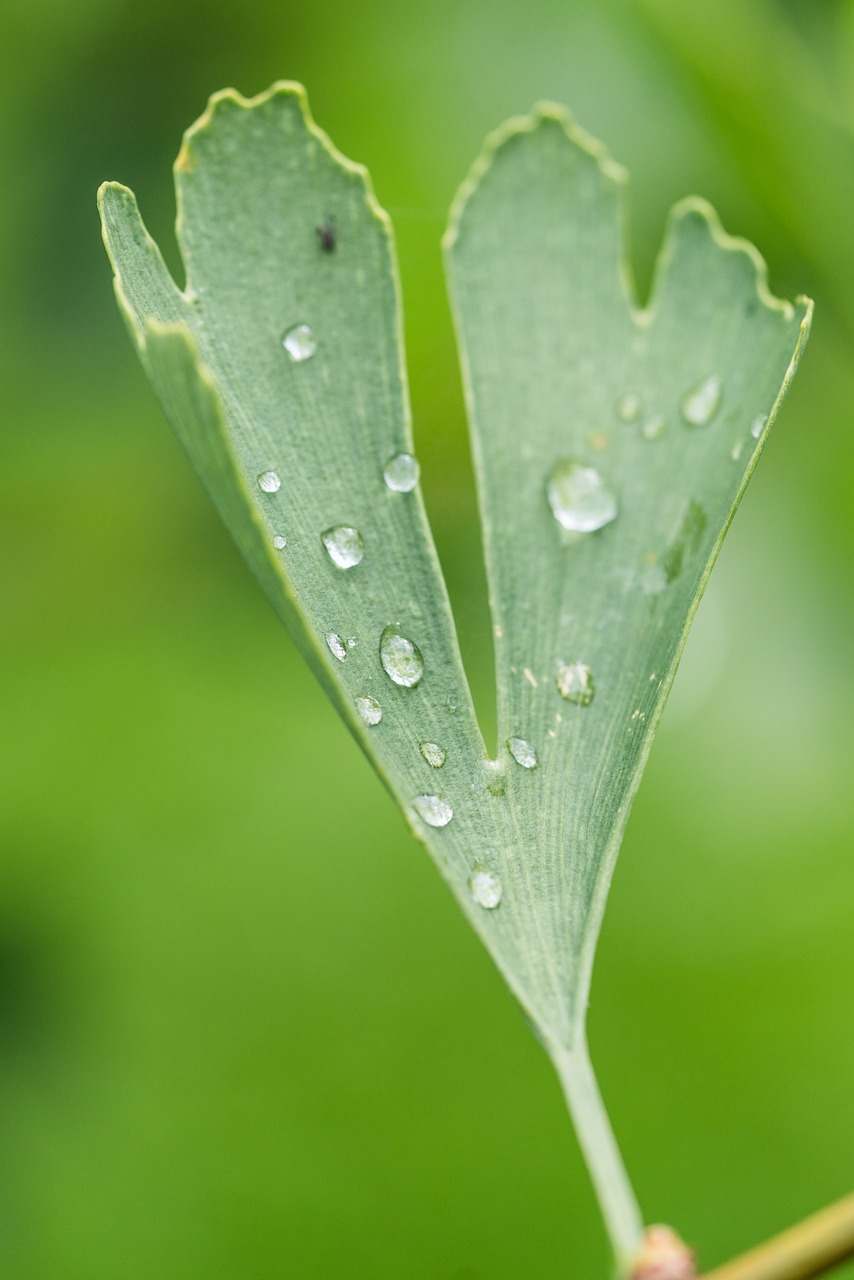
598	1144
812	1248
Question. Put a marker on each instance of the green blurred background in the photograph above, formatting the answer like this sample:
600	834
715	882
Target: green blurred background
244	1031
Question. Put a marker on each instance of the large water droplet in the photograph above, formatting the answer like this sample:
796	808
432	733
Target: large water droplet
579	498
757	426
401	659
575	682
433	754
336	645
401	473
300	342
485	888
433	810
269	481
628	407
345	545
702	403
369	709
522	752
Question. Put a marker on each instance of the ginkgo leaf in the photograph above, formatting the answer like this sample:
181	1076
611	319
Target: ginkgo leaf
611	445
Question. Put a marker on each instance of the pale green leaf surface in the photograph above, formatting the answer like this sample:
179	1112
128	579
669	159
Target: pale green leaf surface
550	342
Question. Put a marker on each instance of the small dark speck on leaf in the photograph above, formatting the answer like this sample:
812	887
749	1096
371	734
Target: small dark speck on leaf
326	234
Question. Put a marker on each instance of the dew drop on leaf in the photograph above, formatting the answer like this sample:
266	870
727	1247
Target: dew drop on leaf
280	541
757	426
336	645
269	481
369	709
345	545
575	683
433	810
433	754
300	342
702	403
628	407
522	752
401	658
485	888
654	427
579	499
401	473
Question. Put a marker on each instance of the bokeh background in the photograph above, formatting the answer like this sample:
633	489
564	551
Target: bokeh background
244	1031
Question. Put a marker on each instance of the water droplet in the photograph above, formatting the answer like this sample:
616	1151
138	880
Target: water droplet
401	473
269	481
702	403
654	427
530	677
579	498
575	682
485	888
628	407
299	342
737	450
433	754
452	703
336	645
494	778
653	579
369	709
433	810
757	426
401	659
345	545
522	752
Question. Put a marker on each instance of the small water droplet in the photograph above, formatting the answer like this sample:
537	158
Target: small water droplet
737	450
269	481
654	427
579	498
653	579
433	754
433	810
401	473
522	752
494	778
369	709
702	403
628	407
452	702
575	683
401	658
345	545
300	342
336	645
757	426
485	888
280	541
530	677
